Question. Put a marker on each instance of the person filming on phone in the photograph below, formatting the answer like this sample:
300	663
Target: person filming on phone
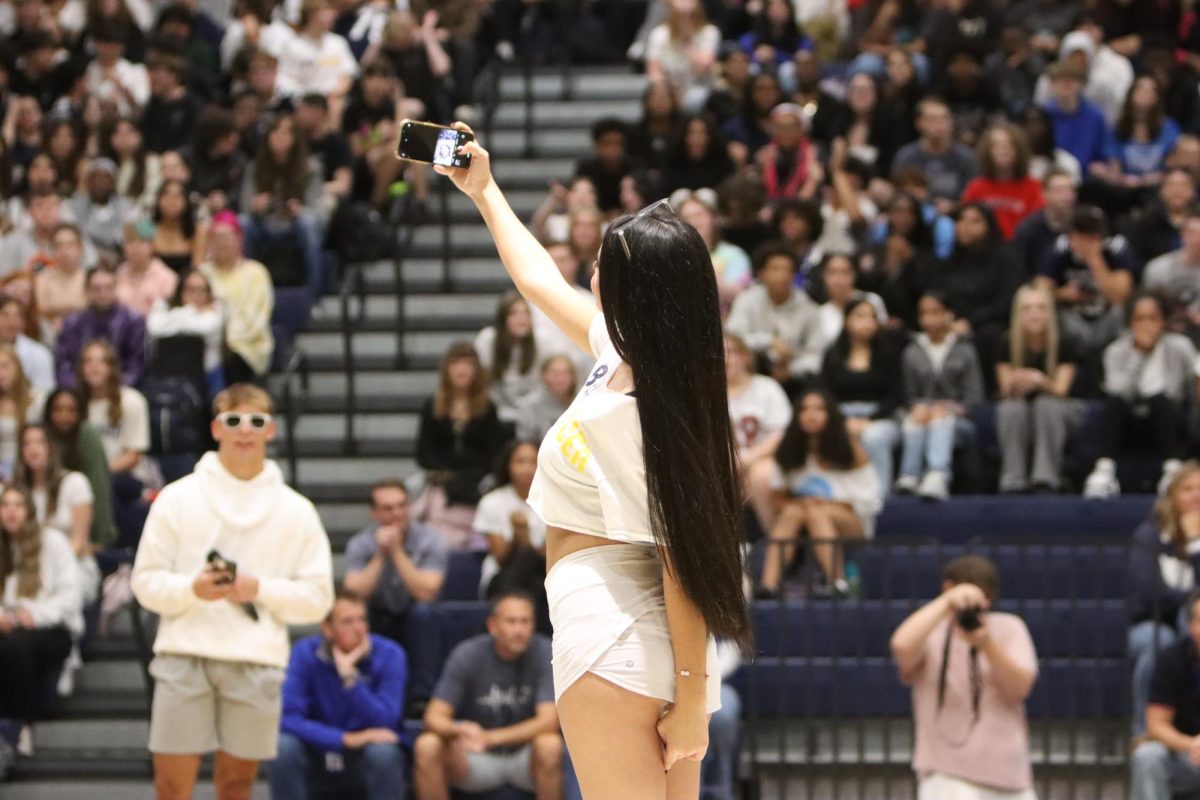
229	558
970	669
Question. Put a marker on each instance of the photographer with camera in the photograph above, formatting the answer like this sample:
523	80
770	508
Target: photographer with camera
970	669
230	556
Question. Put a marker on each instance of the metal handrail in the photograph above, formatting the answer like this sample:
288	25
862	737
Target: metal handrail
402	243
354	283
296	366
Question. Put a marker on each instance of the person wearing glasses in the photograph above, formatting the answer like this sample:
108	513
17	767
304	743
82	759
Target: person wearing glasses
229	558
637	485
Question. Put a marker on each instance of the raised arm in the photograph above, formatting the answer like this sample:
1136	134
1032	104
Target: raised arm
526	261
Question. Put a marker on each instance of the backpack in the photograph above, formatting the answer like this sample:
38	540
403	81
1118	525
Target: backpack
178	415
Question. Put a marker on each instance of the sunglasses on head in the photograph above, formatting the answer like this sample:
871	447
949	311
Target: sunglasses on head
234	420
619	230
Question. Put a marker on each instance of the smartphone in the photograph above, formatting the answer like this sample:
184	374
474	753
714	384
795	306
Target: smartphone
432	144
223	565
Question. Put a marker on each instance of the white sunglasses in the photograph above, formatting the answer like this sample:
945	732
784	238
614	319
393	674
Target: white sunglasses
234	420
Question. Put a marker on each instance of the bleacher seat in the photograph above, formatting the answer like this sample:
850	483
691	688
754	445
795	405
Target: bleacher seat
462	577
1034	517
293	308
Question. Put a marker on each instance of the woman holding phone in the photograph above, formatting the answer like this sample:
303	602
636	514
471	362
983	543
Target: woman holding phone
637	484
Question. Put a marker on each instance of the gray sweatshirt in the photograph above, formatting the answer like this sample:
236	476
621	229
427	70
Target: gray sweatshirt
959	380
1173	361
797	322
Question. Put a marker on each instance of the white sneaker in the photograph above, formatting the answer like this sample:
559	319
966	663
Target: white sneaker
25	742
1170	467
1102	483
934	486
66	678
905	484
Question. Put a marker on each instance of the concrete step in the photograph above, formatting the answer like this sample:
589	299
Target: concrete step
584	85
566	114
116	789
331	386
424	343
366	426
429	274
318	475
572	143
421	312
91	735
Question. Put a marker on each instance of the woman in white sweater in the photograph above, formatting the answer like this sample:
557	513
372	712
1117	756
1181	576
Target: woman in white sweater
40	605
827	489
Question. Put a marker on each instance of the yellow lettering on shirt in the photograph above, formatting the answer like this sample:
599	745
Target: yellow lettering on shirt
573	445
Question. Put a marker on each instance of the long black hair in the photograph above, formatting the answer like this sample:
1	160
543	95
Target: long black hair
662	314
834	448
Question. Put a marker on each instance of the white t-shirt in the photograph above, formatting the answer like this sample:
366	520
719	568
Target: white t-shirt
591	476
132	433
493	516
73	491
308	65
762	409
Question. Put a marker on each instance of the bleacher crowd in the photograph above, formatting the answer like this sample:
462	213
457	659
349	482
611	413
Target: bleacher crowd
957	244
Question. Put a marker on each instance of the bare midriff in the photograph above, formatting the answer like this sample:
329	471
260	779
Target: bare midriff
561	542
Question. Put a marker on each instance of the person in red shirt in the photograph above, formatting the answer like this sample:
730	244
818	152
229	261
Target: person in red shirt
1004	184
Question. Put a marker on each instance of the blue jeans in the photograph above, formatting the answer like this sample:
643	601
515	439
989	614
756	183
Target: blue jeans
1146	638
879	441
304	230
1158	773
719	769
931	446
379	768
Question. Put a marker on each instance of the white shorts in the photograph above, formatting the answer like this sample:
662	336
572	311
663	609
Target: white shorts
610	619
940	786
487	772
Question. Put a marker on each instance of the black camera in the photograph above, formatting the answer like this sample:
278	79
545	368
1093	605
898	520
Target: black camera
968	619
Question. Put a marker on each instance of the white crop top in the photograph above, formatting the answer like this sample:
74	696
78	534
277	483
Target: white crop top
591	475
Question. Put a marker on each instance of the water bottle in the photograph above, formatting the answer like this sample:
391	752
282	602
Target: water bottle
854	580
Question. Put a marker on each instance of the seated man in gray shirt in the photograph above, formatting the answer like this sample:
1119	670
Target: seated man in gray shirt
492	721
399	566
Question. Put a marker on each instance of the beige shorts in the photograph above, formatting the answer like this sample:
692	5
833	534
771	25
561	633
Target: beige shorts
488	771
202	705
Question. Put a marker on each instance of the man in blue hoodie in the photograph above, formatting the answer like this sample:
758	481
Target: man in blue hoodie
1079	126
342	710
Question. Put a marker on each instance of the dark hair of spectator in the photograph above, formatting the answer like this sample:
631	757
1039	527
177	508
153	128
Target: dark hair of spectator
504	342
387	483
1176	170
477	392
509	594
166	56
606	125
651	88
109	31
176	14
66	439
98	272
834	447
314	100
976	570
1140	295
503	471
23	476
70	228
1039	133
788	37
771	250
1154	120
994	236
921	235
842	343
187	221
818	274
1020	143
289	177
380	67
108	129
808	210
663	315
753	108
1088	220
67	164
937	296
341	594
715	152
214	124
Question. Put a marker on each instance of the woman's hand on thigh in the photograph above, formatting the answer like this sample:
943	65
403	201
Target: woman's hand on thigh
684	733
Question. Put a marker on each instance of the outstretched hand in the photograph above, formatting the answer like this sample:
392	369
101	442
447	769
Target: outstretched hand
474	179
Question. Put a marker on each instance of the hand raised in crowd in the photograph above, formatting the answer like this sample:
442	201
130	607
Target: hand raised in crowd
472	735
261	202
212	584
7	622
346	661
520	527
389	538
357	740
24	618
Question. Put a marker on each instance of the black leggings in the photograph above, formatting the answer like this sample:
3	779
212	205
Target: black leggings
27	656
1156	424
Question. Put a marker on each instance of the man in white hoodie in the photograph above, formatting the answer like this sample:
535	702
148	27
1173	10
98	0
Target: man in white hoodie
222	644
